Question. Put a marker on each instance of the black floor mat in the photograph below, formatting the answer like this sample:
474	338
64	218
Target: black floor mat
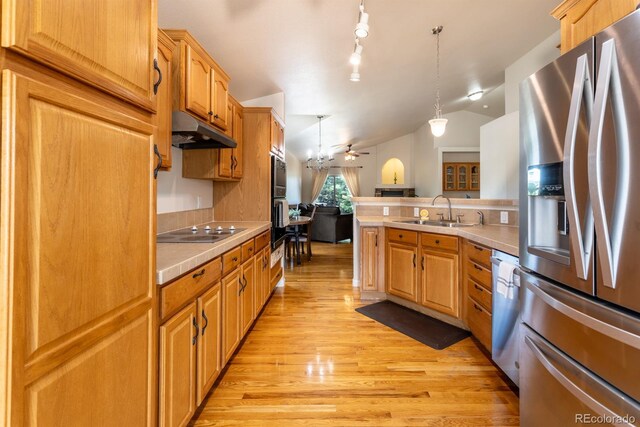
432	332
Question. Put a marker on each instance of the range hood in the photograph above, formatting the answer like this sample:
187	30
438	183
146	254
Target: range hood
190	133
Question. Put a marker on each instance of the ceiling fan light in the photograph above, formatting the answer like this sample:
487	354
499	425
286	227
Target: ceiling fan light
475	95
438	126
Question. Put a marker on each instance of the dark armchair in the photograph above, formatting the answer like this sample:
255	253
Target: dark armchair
329	225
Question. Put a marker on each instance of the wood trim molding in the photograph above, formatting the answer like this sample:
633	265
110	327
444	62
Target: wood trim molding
561	10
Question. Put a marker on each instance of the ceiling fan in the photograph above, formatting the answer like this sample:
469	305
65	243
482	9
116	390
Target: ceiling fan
351	154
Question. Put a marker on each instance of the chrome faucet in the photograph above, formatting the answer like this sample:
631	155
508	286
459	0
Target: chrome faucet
481	214
433	203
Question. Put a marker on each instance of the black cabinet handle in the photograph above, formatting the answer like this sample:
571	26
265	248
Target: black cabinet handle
216	116
376	240
422	262
414	260
195	337
196	275
244	279
477	268
400	236
210	113
157	83
234	163
478	248
241	288
250	249
156	151
478	288
477	308
437	242
206	322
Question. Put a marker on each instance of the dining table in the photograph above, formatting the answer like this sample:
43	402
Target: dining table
296	223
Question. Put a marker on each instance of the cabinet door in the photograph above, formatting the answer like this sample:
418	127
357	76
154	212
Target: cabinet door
197	84
439	281
238	121
247	312
113	51
402	274
225	163
258	295
369	258
220	100
162	118
178	339
462	175
449	177
474	181
209	352
281	140
81	288
275	135
231	313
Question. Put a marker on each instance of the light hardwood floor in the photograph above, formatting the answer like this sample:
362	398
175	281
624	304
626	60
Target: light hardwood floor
311	360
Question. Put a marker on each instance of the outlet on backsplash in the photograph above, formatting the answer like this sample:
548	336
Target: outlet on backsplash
504	217
416	212
385	211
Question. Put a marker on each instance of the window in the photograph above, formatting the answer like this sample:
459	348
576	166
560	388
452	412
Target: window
335	193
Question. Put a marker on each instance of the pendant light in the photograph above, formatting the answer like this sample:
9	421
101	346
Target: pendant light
438	123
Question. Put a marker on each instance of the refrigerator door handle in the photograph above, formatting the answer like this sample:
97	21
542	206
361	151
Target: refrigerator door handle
581	315
555	368
609	230
582	237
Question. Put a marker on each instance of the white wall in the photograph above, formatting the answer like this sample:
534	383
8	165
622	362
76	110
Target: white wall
294	179
176	194
463	130
499	158
528	64
276	101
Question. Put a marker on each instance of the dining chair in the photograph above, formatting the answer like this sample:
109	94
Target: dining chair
305	236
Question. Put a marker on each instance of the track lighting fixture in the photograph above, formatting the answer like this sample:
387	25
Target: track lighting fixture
362	28
355	75
356	56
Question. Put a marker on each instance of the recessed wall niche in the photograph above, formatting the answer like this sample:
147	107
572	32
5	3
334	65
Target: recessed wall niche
393	172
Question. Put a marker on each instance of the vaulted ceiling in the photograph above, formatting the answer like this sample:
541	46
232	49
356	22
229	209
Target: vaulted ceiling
302	48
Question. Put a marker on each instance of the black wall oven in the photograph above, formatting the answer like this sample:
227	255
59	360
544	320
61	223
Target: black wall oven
279	206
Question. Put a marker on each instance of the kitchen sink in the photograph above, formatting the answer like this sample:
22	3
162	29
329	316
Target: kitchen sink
444	223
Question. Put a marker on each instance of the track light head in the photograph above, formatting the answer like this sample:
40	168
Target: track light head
356	56
362	28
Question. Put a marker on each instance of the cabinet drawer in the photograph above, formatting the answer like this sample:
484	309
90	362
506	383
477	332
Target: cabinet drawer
263	240
480	294
480	274
478	253
183	290
231	260
439	241
479	321
402	236
248	249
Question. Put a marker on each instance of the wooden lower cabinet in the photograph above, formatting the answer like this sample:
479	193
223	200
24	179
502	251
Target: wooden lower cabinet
231	286
477	277
369	258
209	354
479	322
439	281
401	271
247	293
262	279
178	339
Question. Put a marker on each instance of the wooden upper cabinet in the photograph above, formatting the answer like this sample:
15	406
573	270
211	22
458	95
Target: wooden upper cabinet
237	123
178	339
113	51
81	309
277	136
220	99
162	118
197	84
461	176
581	19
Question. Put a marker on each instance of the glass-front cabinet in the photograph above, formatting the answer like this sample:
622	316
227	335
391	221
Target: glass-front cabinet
461	176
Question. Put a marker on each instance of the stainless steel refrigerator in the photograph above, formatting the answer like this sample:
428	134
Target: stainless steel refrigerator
580	234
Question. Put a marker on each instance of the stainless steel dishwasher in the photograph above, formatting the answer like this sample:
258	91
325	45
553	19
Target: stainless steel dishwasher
505	320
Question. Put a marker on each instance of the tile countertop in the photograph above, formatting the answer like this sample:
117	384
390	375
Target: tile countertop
175	259
501	237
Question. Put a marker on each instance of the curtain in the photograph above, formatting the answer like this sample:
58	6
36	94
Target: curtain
319	177
350	176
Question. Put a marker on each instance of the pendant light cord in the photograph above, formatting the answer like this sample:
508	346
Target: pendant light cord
437	31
